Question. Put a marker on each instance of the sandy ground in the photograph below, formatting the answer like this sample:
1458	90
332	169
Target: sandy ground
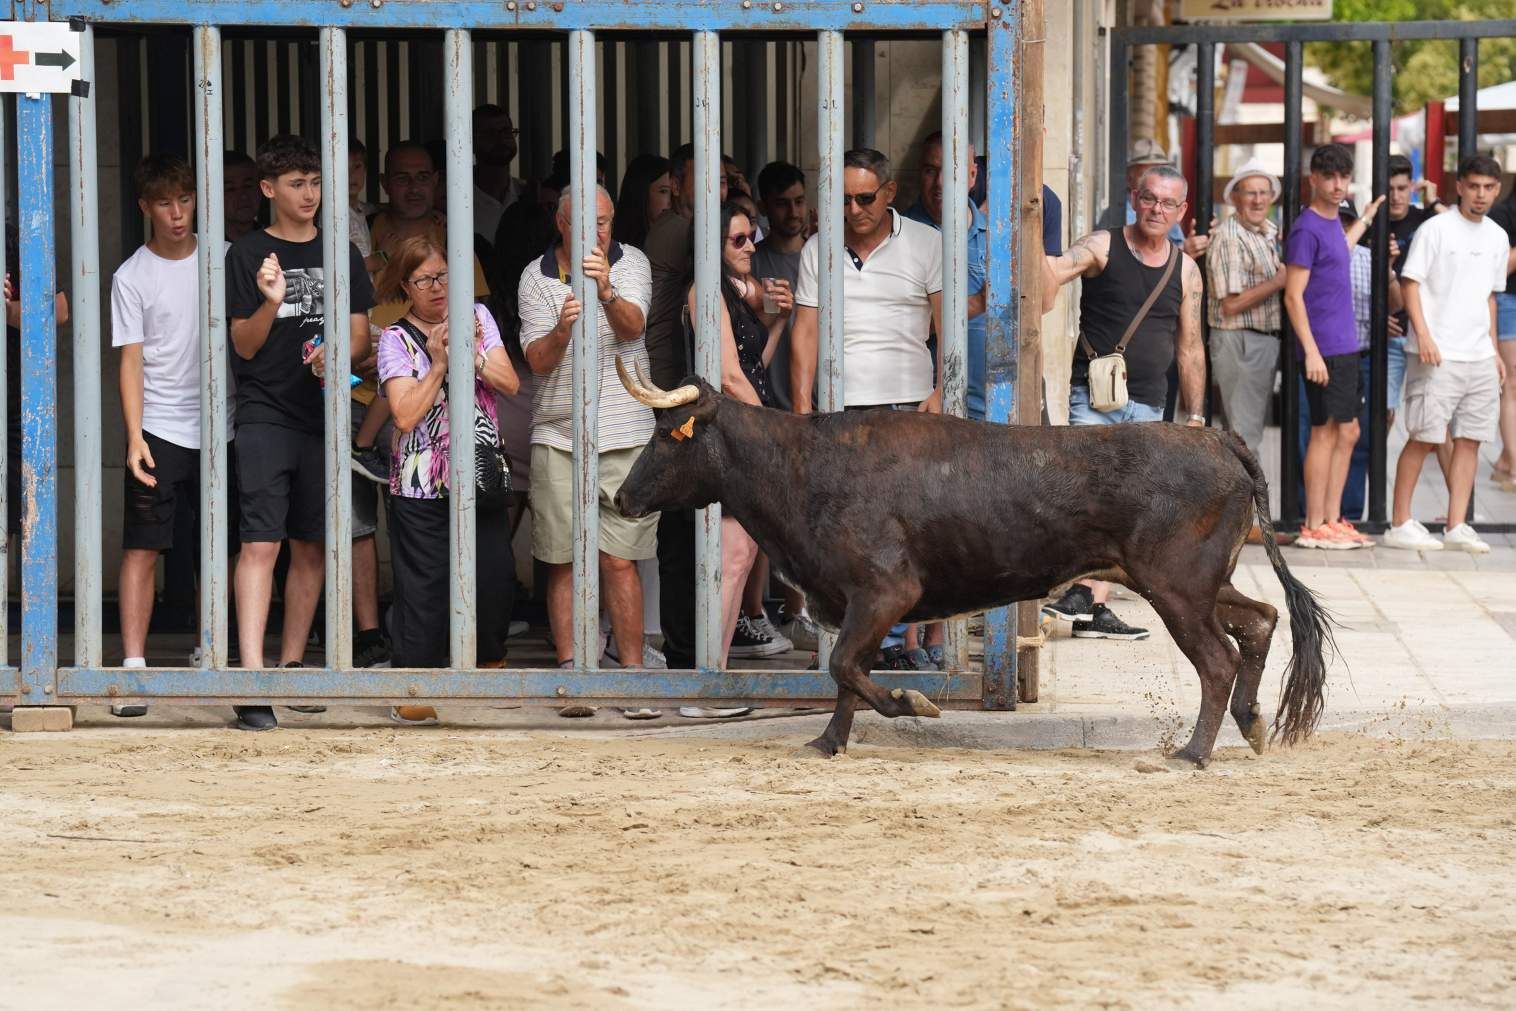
379	869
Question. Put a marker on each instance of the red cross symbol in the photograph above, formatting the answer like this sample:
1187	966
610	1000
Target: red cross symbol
10	57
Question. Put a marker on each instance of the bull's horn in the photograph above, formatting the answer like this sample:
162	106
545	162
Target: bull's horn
655	397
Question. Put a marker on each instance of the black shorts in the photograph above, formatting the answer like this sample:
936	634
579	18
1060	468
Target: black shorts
148	513
1341	397
283	483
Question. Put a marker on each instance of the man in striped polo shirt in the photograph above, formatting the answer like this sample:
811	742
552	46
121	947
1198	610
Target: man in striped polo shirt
548	310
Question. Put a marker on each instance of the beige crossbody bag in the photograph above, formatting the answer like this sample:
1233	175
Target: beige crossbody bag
1108	372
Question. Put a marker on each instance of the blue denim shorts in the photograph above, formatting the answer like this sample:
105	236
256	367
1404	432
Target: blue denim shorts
1081	413
1505	315
1396	372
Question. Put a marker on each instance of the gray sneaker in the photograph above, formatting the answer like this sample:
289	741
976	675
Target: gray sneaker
800	629
764	626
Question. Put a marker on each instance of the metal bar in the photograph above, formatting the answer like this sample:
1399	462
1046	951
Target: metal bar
1205	131
698	15
1289	208
1468	142
864	99
955	264
39	399
1379	305
84	232
214	485
1002	308
1358	31
705	54
830	94
6	505
458	106
337	336
1118	116
545	687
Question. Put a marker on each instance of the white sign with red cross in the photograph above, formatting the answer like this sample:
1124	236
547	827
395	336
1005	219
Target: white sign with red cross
38	56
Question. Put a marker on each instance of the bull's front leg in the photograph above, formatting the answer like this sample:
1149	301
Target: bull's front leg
865	622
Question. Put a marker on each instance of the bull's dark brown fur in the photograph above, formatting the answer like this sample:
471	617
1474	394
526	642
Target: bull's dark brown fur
884	516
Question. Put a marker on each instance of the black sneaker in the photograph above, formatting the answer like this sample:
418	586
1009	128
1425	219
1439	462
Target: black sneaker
255	718
1075	605
371	650
895	658
1105	625
750	639
296	665
372	464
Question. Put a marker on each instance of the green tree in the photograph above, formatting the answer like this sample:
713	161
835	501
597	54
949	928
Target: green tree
1423	70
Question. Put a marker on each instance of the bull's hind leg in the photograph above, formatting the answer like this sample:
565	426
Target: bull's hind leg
1190	617
1251	622
867	619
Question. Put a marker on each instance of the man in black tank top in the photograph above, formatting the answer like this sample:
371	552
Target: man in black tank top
1121	267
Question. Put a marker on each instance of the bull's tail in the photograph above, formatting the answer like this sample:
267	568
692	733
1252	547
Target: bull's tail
1302	696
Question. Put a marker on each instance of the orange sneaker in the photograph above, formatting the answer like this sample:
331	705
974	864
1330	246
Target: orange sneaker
1325	537
1345	527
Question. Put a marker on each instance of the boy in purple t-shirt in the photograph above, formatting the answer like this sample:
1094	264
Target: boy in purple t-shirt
1318	295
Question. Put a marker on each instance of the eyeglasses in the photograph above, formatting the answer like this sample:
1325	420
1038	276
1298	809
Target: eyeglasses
742	239
1146	199
862	199
425	282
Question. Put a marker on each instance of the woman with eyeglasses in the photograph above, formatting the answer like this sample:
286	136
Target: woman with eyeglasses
752	317
413	357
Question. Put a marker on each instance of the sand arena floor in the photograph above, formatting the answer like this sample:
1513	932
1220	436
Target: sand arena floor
385	869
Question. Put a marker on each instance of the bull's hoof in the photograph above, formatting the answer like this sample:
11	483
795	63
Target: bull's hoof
913	703
1188	756
1254	729
820	748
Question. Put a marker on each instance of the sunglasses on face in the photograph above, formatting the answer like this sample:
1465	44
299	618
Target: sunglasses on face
861	199
742	239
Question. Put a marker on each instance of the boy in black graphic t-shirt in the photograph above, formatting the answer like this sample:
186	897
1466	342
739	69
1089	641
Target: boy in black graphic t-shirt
275	302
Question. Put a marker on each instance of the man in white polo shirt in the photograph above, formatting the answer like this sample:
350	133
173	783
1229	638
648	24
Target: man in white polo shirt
1453	369
892	297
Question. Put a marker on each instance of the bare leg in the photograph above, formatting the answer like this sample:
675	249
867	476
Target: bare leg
1460	476
560	609
1407	472
738	552
622	599
302	591
1251	623
1318	472
936	633
1342	458
138	566
757	583
1507	460
365	584
255	585
1445	464
1099	588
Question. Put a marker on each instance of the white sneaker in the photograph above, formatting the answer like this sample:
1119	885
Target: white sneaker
801	630
1463	538
709	713
1412	536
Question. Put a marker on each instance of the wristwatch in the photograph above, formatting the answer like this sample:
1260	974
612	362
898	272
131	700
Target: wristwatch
614	296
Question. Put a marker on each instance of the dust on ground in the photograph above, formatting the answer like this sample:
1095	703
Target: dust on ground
363	869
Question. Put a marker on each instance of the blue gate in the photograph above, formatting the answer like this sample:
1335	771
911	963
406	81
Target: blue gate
43	677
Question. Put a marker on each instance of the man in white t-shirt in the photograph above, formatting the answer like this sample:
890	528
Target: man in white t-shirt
1453	368
892	298
155	321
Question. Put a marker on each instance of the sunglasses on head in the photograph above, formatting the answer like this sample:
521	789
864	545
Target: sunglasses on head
742	239
861	199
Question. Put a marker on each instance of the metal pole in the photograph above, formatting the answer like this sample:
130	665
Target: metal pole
1205	133
1289	208
1117	153
864	114
5	504
39	400
1468	101
209	131
830	92
458	113
1003	310
955	266
337	334
706	67
1379	305
84	215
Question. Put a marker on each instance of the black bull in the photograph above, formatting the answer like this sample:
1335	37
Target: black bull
884	516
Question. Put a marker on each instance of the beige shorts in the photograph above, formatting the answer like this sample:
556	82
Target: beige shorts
553	508
1457	399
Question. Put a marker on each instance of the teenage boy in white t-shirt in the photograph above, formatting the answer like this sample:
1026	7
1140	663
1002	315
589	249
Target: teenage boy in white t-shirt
1453	368
155	322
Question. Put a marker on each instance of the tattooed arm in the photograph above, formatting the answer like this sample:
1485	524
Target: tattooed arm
1188	349
1085	258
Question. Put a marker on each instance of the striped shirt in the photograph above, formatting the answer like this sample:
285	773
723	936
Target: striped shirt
625	423
1238	259
1361	270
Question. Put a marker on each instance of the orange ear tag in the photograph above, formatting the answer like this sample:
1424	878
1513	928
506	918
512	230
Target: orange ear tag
684	431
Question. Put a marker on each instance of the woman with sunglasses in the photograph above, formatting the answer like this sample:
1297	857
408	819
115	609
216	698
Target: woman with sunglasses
753	313
413	370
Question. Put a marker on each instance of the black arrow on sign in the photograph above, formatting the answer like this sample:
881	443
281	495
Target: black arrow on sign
62	60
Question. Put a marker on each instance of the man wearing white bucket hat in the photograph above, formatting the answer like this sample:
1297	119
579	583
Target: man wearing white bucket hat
1243	304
